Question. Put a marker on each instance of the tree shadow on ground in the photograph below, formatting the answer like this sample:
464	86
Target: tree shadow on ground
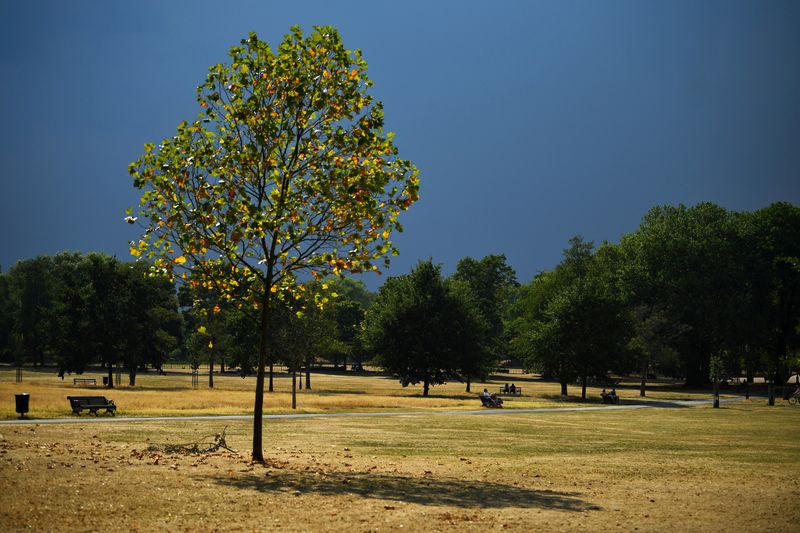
425	490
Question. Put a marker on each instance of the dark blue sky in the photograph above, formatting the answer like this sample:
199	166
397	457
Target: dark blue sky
530	121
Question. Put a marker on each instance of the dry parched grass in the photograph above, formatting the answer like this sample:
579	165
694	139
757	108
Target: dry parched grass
172	395
689	469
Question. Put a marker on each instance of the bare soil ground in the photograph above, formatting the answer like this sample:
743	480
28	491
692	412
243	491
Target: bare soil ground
690	469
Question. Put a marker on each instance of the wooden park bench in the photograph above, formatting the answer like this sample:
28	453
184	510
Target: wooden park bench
609	398
517	391
84	381
92	404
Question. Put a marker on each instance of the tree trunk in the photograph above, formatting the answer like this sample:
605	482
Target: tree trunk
258	408
294	389
132	376
469	382
643	386
771	393
222	365
426	387
300	383
271	371
211	372
583	387
110	384
563	388
308	376
344	362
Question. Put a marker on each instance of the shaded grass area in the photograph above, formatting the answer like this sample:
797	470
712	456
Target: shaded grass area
693	469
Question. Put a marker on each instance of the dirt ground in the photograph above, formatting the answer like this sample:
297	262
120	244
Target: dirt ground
695	469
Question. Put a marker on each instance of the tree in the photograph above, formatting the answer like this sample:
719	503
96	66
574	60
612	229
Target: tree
772	241
154	325
32	294
477	349
581	335
6	317
687	262
652	341
285	174
420	329
716	373
491	283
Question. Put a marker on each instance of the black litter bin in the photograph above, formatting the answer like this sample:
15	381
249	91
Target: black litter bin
105	380
23	401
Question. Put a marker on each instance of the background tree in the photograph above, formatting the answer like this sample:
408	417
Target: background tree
653	335
492	283
476	349
686	261
419	329
32	293
285	173
6	318
772	235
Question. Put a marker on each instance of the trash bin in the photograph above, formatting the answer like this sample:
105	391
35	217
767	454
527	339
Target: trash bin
23	401
105	381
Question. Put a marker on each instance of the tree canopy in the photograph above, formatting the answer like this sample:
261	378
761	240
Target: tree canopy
286	174
422	330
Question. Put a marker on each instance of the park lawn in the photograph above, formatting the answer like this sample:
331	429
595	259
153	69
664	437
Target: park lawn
683	469
172	395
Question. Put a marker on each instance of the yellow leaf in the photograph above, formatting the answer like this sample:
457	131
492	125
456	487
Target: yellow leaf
324	286
202	330
135	251
179	260
274	288
217	309
210	344
386	234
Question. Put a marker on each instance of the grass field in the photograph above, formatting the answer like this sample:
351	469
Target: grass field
172	395
684	469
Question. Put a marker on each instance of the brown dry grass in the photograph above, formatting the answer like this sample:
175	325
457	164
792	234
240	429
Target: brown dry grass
172	395
692	469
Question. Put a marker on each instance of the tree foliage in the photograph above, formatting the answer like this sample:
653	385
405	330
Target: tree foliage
421	329
285	174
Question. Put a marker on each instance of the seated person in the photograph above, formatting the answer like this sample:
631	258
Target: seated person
496	400
604	396
505	388
485	396
613	396
513	389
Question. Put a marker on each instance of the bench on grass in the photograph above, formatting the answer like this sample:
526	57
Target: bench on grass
610	398
84	381
92	404
516	392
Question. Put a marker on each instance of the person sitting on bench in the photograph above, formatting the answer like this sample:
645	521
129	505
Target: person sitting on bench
512	389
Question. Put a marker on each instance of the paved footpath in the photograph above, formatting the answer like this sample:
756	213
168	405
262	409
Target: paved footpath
105	419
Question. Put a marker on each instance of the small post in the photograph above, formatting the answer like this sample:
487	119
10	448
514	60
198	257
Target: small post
195	378
19	374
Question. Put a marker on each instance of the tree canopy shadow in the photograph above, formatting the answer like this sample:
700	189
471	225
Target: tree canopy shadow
425	490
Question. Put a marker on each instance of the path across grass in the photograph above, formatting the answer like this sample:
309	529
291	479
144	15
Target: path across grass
670	404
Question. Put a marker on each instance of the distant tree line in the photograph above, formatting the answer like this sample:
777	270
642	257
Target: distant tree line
76	310
691	284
